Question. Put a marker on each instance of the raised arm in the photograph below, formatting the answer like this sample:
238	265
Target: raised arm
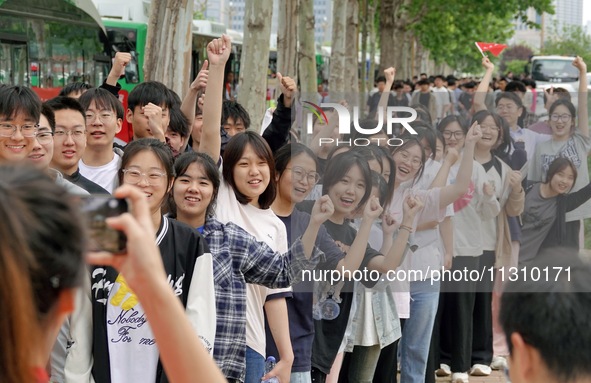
121	60
440	179
482	90
583	124
277	133
390	73
394	257
450	193
218	52
190	101
356	252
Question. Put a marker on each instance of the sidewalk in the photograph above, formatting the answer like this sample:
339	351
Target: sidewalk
496	377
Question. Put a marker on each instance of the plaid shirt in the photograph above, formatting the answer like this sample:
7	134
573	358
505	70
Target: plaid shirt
238	258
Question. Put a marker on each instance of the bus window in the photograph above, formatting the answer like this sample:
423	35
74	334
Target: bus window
13	63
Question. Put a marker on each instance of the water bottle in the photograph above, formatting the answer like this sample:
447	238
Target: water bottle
269	365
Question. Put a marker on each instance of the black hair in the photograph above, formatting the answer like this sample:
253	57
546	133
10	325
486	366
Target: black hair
232	154
380	79
236	111
451	81
15	100
74	87
340	165
179	123
451	119
66	103
366	124
410	142
509	96
160	150
423	82
50	225
422	113
558	165
398	85
559	91
568	104
384	156
287	152
150	92
504	141
103	100
553	317
516	86
440	76
182	163
48	113
383	188
424	130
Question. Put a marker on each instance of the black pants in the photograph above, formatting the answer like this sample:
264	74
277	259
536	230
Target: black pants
387	368
456	322
482	338
317	376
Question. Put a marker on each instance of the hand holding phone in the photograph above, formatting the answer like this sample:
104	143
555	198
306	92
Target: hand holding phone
96	209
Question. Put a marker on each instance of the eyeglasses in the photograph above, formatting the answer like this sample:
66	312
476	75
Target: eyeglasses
489	127
27	130
44	137
103	116
298	173
77	134
458	134
508	107
415	162
133	176
561	117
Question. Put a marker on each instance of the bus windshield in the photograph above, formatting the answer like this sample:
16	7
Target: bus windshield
554	70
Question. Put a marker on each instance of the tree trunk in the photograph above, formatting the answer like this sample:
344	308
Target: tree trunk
364	36
352	52
168	44
371	15
336	81
287	38
252	92
307	52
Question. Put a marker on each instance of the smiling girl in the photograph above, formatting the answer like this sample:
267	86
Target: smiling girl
124	353
570	139
544	229
238	257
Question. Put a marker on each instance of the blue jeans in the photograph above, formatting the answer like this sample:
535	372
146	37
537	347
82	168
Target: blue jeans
255	366
301	377
416	334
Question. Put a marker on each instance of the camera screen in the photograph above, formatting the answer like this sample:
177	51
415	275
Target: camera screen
96	210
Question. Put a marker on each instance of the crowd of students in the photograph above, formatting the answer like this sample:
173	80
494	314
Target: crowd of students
227	220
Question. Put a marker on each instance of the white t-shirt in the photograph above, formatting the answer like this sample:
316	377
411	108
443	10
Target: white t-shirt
130	338
443	99
104	175
265	227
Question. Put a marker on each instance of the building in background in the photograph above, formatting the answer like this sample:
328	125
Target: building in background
231	13
566	13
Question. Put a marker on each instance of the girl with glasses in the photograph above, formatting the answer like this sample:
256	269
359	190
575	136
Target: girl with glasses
570	139
473	208
123	347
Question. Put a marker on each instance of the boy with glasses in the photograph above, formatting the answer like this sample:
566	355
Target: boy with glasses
69	142
20	108
104	117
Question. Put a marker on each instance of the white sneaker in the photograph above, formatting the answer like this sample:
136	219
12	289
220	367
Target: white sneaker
443	370
480	370
459	377
498	363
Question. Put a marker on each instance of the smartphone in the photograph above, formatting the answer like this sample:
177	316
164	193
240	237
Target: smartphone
96	209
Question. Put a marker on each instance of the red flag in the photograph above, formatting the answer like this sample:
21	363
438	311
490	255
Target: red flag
493	48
